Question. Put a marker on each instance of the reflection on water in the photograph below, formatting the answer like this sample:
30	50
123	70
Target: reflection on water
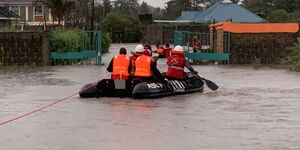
253	109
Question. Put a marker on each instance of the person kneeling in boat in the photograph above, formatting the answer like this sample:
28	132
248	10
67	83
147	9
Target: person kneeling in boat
145	68
120	66
176	63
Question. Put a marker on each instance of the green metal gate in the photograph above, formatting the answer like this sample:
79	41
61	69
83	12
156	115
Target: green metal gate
214	46
90	47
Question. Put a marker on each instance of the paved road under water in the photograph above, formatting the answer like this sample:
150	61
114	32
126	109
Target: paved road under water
253	109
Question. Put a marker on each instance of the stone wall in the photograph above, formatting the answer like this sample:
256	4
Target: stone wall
165	33
268	47
21	48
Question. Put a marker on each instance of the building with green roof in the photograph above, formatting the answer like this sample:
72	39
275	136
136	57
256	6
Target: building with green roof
224	10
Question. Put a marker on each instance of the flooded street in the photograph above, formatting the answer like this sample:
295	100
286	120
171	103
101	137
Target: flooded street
252	110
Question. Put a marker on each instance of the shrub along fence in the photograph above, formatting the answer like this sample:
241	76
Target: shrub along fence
75	45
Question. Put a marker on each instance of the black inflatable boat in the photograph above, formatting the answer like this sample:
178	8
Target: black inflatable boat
136	88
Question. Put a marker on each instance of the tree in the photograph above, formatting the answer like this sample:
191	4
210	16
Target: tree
126	7
287	5
59	8
144	8
278	15
259	6
114	22
107	7
295	16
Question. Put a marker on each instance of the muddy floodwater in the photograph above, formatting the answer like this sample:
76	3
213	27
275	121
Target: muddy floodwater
252	110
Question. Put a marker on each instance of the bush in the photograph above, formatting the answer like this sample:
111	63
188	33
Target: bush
293	60
256	63
10	29
279	15
106	40
65	40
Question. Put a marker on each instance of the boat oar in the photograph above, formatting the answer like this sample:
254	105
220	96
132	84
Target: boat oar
213	86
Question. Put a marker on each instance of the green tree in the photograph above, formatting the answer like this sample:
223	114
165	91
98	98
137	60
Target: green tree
144	8
59	8
126	7
107	7
259	6
114	22
279	15
288	5
295	16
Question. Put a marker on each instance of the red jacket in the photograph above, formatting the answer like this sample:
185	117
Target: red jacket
176	65
133	59
196	45
167	52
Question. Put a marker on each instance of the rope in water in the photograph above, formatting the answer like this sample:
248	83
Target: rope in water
46	106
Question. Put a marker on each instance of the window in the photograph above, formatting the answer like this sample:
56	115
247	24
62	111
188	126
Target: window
38	10
15	10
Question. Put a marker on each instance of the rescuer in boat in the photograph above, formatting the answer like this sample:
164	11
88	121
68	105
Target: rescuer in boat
120	66
176	63
138	51
167	51
145	66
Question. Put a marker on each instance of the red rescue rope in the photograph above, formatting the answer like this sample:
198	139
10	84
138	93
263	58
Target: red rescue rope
39	109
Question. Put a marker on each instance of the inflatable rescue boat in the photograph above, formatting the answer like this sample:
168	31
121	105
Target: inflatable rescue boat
136	88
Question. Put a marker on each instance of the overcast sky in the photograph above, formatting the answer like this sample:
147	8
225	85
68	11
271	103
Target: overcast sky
155	3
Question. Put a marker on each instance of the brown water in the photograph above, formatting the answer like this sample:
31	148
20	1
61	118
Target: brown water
253	109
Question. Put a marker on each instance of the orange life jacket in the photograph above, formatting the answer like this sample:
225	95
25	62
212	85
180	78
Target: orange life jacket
120	67
143	66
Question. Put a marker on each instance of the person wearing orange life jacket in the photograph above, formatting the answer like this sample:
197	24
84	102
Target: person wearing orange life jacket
176	63
138	51
120	66
145	68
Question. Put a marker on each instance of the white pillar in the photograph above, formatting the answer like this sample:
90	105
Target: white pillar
50	17
26	13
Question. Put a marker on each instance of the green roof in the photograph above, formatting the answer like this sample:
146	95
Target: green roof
225	11
188	15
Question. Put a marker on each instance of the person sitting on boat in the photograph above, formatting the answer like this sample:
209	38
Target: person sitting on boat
167	50
148	46
138	51
120	66
145	68
160	51
176	63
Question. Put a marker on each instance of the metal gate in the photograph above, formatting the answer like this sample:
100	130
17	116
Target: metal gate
214	46
90	47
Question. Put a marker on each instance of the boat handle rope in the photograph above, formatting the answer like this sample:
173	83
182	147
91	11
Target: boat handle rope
51	104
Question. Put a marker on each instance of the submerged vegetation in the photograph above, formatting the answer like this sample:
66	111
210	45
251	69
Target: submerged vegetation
256	63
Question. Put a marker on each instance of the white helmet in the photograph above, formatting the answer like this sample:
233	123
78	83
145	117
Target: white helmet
139	48
178	48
